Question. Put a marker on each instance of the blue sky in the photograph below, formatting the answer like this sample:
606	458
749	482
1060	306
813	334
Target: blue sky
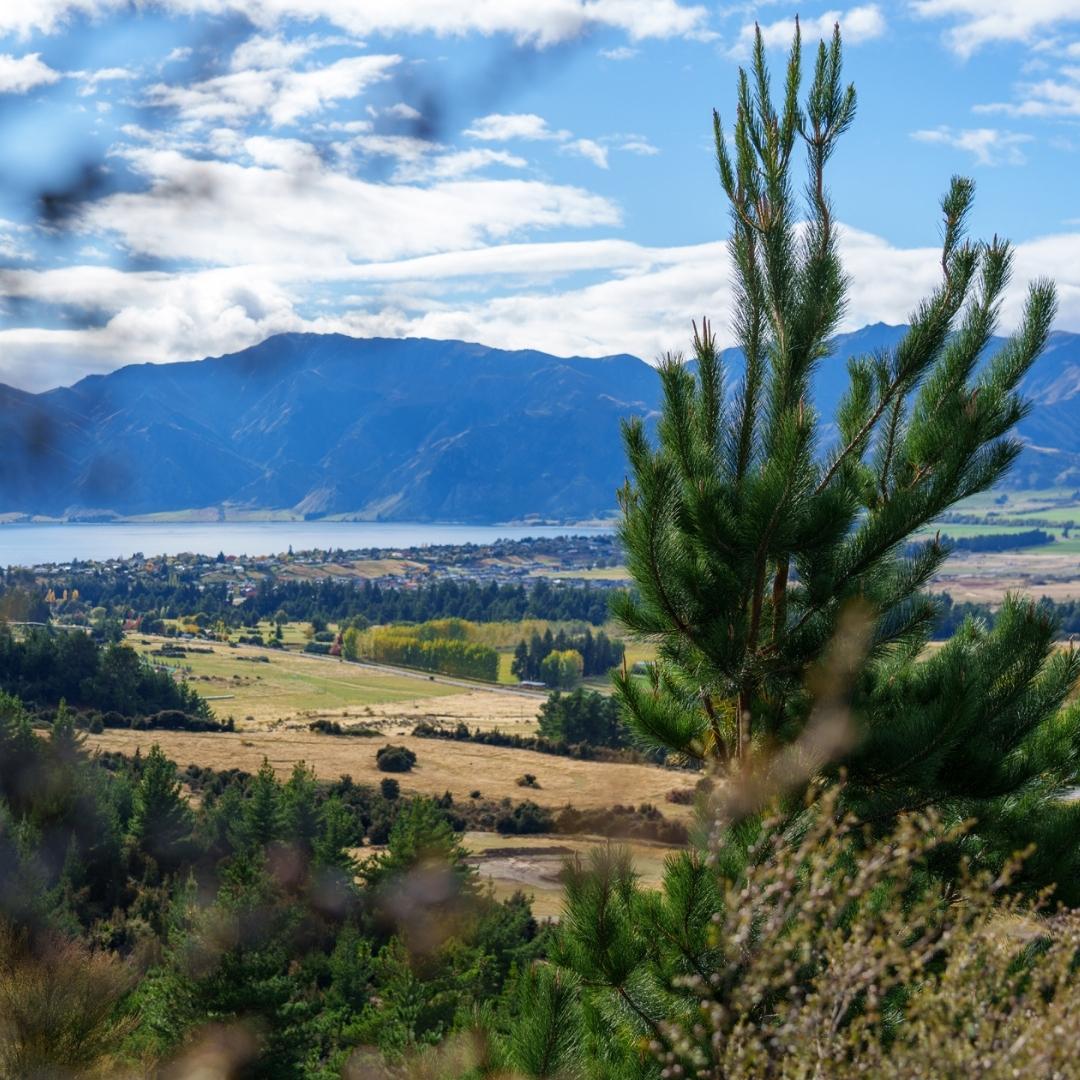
182	178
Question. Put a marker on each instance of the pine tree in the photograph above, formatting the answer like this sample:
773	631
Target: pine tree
774	573
338	831
299	808
421	836
262	823
65	740
161	820
550	1044
755	539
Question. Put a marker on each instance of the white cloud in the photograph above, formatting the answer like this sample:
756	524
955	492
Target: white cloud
991	146
622	52
500	127
641	301
1047	97
503	127
401	111
292	155
589	149
290	207
454	165
47	16
151	316
269	51
19	74
283	95
12	242
638	144
346	127
90	80
645	305
277	51
402	147
544	22
980	22
857	24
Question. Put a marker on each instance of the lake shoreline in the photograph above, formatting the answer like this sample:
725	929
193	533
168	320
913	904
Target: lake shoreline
36	543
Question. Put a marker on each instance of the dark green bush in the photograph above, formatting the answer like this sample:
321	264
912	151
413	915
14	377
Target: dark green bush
525	818
395	759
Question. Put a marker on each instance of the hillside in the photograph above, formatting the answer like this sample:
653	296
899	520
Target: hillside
393	429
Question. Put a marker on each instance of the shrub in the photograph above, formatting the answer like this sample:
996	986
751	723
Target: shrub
379	830
395	759
333	727
872	969
177	720
581	751
58	1007
389	788
622	822
525	818
680	796
528	780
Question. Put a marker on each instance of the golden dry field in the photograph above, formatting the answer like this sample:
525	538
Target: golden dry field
368	569
595	573
979	577
985	577
442	765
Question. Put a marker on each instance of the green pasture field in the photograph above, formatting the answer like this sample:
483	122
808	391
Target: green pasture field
962	532
1057	514
288	685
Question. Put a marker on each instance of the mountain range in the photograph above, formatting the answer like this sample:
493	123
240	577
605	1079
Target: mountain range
396	429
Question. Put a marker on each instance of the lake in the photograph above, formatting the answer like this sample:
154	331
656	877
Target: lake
32	544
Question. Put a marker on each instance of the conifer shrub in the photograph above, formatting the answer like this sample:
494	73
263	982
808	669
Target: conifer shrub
778	555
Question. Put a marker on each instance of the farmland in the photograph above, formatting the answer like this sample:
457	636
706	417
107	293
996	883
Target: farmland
263	689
